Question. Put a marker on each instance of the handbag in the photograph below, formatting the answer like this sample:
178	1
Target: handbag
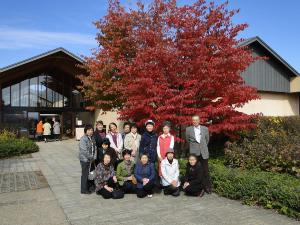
92	174
134	181
117	193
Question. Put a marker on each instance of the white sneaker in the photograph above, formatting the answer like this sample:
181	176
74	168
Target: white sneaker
149	196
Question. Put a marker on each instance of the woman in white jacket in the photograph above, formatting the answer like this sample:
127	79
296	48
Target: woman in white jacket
115	138
132	142
170	174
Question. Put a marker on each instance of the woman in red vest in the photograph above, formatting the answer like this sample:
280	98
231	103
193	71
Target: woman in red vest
165	141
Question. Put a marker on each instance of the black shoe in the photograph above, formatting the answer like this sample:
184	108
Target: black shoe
176	193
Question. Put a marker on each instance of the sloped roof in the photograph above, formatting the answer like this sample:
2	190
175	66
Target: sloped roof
56	50
257	39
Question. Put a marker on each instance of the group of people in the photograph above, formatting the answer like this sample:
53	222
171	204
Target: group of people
142	164
46	130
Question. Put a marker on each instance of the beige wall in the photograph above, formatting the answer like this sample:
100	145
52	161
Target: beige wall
108	118
273	104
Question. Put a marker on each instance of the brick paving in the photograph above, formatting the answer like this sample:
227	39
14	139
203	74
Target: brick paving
59	164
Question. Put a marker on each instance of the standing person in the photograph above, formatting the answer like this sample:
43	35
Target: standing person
198	137
105	180
193	179
47	130
125	173
115	138
99	133
148	143
165	141
87	155
56	129
106	149
170	174
39	130
126	129
132	142
145	175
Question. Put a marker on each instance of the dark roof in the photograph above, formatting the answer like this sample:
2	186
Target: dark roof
80	60
257	39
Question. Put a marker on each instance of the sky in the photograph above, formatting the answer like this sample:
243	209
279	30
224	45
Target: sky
31	27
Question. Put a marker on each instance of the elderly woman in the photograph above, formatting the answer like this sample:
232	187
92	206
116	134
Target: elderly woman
87	155
170	174
193	179
105	180
132	142
145	175
125	173
115	138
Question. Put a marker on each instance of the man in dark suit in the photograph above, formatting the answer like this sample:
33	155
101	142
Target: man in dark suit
198	137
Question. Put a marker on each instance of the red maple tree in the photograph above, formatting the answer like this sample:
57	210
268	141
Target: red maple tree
168	62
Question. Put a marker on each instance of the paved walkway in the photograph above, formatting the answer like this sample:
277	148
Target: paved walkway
59	164
25	197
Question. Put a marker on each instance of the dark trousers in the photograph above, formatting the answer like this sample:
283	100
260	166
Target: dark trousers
146	190
206	178
129	187
105	193
56	136
86	184
171	190
193	189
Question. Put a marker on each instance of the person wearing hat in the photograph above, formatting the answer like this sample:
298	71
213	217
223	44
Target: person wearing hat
164	142
125	173
170	174
148	143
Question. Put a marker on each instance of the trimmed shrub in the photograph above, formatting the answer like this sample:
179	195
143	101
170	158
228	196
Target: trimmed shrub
255	187
10	145
274	146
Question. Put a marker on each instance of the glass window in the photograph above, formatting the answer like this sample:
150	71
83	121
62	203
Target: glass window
15	95
42	100
6	96
25	93
33	91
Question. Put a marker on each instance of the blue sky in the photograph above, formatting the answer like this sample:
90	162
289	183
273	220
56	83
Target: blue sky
31	27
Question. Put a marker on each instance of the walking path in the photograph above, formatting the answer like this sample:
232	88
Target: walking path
59	163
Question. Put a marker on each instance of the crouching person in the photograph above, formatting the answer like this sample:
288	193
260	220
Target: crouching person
170	174
105	180
145	175
193	179
125	173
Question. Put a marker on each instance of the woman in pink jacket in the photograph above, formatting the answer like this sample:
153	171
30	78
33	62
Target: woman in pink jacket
165	141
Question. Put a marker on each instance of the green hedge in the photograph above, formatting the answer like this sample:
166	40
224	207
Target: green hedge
10	145
274	146
254	187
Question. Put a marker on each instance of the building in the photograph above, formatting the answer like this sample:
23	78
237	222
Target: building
277	82
46	87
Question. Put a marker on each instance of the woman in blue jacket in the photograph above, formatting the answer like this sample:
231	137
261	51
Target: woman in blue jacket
145	175
148	142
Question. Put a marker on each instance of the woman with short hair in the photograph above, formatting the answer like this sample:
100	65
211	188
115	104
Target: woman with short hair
105	180
125	173
115	138
132	142
87	154
145	175
193	179
99	133
106	149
